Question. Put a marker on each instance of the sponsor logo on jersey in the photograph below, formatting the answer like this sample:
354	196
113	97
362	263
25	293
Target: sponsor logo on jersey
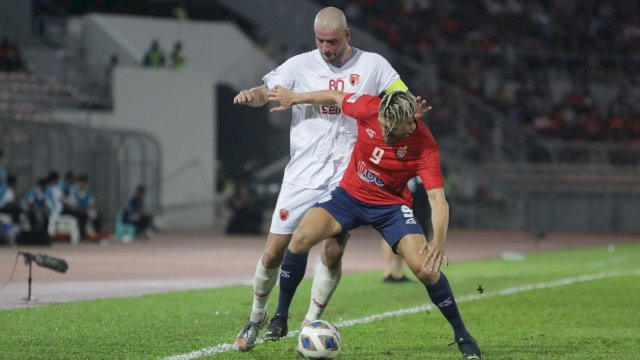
411	221
402	151
354	79
371	133
284	214
369	175
330	110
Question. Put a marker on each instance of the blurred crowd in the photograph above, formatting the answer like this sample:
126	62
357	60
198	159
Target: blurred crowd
577	116
10	56
522	47
557	26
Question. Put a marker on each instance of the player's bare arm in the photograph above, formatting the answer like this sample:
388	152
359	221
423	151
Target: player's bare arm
254	97
435	255
287	98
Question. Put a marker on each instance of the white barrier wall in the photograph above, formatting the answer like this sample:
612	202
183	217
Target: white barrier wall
216	47
177	107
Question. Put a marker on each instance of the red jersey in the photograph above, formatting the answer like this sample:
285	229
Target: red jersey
378	173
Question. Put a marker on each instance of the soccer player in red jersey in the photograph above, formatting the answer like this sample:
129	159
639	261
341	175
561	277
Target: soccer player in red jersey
322	139
391	148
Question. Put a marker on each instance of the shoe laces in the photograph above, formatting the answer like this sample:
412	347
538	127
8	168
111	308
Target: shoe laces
250	324
278	316
245	329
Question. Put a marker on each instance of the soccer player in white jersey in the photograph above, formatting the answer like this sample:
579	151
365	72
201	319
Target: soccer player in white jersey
321	143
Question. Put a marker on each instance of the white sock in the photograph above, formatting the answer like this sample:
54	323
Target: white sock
263	282
325	282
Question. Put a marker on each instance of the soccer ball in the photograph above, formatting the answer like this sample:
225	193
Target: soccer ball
319	340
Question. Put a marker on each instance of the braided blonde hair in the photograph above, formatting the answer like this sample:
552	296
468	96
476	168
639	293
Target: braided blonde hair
396	107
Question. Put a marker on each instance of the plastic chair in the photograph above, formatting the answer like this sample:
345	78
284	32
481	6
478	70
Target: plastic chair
64	224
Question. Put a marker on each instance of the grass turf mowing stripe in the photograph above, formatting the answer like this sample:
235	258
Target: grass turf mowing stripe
222	348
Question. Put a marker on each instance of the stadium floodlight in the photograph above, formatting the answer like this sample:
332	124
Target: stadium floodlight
49	262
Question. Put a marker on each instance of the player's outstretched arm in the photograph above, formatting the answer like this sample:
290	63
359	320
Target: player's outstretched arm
440	222
254	97
287	98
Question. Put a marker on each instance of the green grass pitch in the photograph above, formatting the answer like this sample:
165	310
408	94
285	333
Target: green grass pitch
587	319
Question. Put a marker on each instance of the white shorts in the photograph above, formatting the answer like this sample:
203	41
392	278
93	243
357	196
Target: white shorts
293	203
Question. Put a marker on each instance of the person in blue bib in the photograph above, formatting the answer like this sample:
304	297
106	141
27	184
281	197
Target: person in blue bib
8	203
81	199
35	206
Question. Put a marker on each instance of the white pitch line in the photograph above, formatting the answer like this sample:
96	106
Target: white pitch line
222	348
608	262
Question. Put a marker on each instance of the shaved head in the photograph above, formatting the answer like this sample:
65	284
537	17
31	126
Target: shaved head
332	35
330	18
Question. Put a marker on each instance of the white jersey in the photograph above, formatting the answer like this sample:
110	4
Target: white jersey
321	136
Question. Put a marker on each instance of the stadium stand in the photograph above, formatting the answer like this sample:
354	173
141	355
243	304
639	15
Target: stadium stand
38	137
520	55
499	88
526	94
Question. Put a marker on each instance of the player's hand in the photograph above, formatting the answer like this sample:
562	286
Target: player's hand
422	107
435	256
282	96
243	97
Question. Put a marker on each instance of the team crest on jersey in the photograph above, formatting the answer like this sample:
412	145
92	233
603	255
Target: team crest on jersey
284	214
402	151
354	79
371	133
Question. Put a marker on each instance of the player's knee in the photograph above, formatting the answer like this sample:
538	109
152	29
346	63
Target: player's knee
272	257
426	277
332	254
302	240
